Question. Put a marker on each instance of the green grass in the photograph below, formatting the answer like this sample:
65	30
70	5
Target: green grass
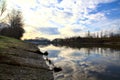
6	42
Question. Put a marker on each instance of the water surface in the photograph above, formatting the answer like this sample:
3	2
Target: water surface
85	63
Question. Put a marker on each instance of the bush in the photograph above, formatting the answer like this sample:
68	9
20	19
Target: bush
15	29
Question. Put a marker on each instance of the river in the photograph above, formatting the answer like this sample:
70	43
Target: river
92	63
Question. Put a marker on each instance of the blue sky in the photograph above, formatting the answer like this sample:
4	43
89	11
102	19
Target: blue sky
66	18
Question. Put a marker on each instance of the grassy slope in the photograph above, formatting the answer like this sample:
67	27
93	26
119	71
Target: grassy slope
17	56
7	43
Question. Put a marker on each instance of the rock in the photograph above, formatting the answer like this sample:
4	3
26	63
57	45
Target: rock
46	53
57	69
38	52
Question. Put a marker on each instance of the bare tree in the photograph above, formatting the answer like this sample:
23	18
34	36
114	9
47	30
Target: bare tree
15	29
88	34
15	18
16	22
2	7
101	34
97	35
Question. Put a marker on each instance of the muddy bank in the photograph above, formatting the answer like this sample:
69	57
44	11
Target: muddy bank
19	61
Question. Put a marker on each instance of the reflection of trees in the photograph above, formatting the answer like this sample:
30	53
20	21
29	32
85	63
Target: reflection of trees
99	50
105	52
87	51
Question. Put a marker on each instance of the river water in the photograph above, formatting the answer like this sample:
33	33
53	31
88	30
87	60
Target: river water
85	63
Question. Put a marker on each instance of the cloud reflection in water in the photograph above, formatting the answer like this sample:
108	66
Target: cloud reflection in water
86	63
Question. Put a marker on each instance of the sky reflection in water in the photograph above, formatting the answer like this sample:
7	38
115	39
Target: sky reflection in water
85	63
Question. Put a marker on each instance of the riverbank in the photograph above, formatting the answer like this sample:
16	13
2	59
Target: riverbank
78	42
19	61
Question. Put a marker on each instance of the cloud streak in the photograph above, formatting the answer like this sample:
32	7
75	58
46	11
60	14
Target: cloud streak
62	16
50	31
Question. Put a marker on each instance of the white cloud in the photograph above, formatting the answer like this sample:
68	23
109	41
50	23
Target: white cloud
25	4
50	13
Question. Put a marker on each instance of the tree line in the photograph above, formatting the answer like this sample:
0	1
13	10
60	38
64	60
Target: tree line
103	34
90	38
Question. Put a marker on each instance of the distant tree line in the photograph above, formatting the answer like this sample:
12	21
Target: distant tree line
105	34
90	38
15	23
